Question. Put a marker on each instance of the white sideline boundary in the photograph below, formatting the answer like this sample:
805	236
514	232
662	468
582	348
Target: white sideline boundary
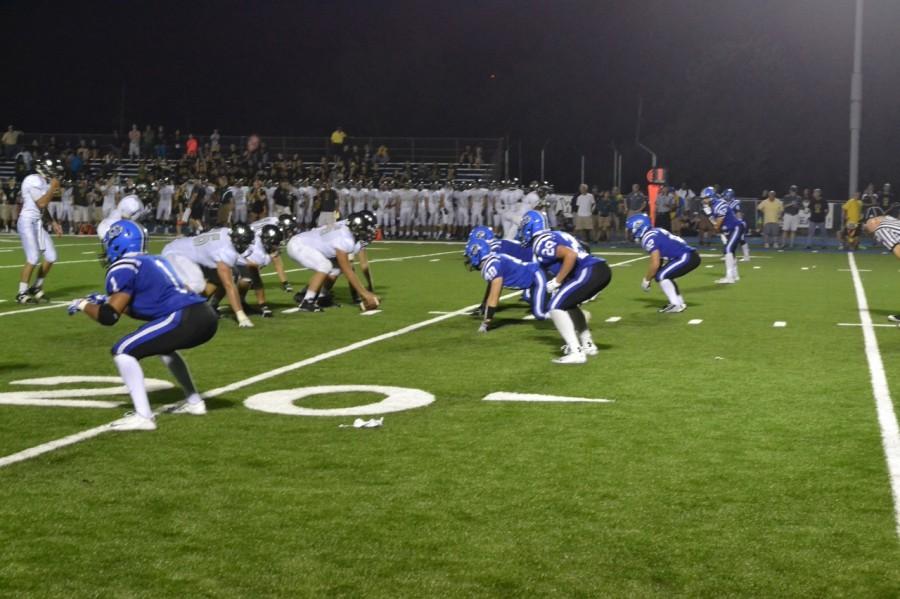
887	420
33	452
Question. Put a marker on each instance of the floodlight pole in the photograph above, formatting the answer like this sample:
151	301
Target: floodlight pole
856	96
637	134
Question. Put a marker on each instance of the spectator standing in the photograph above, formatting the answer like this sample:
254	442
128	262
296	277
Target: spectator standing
147	139
665	204
772	209
191	146
636	201
11	141
849	233
382	156
584	218
338	136
214	147
326	204
887	201
161	142
134	142
818	210
604	208
791	221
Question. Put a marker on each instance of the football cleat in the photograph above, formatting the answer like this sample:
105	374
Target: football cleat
133	422
894	317
309	306
37	294
724	281
286	286
185	407
589	348
570	356
673	308
24	298
266	312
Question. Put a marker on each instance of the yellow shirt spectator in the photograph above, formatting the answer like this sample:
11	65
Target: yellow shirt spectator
853	210
771	208
338	136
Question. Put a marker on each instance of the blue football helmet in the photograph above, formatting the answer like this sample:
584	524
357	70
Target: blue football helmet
728	195
481	232
708	193
124	237
637	225
476	250
533	222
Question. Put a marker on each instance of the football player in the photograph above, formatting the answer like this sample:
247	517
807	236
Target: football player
724	221
205	264
147	288
315	249
501	270
38	189
735	205
577	278
130	207
680	259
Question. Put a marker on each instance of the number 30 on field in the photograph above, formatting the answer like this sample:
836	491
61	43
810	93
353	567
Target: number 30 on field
395	399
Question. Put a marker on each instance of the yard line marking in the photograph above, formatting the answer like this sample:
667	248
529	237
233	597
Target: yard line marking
435	260
858	270
779	324
859	324
757	267
804	268
528	317
2	300
53	305
290	310
370	312
55	263
695	321
614	319
709	266
439	312
537	397
887	420
99	430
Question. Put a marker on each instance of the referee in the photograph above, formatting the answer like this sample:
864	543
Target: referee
886	230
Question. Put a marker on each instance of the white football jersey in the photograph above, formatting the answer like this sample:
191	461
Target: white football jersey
330	238
256	254
166	193
34	187
206	249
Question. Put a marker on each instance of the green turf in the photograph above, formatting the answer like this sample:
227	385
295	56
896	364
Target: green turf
737	458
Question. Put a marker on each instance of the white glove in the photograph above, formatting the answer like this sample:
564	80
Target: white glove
645	285
552	286
484	327
77	305
243	321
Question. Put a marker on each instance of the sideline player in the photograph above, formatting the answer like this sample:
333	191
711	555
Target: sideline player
578	278
735	204
315	249
147	288
38	189
680	259
205	264
130	207
886	231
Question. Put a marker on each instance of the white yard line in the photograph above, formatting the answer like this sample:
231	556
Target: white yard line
859	324
38	309
99	430
887	420
94	260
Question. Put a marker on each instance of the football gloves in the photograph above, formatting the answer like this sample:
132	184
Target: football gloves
645	285
553	286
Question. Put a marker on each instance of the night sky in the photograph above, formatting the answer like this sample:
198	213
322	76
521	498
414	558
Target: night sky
749	93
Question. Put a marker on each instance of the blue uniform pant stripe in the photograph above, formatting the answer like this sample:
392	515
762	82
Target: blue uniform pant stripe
149	331
673	264
570	287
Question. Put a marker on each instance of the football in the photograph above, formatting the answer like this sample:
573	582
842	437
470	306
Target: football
373	305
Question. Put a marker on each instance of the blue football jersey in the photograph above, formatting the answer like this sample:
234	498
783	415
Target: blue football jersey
669	246
545	244
516	274
721	209
512	248
153	285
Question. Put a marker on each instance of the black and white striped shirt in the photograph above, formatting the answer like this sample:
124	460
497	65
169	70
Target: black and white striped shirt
888	232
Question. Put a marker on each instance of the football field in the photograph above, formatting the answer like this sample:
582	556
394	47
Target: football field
739	451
